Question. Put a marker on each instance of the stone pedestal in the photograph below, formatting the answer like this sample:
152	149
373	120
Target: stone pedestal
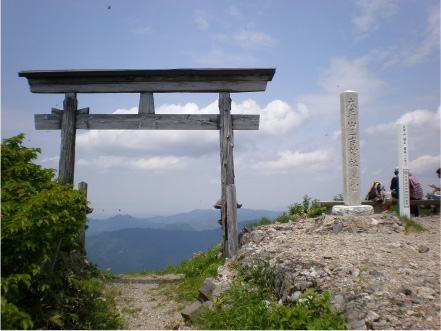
352	210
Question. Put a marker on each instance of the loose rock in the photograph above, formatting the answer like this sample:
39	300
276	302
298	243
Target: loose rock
372	267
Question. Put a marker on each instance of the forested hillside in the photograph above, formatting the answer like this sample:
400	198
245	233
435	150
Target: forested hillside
195	220
139	249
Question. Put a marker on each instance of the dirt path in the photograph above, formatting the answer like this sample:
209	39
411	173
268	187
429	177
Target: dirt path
146	303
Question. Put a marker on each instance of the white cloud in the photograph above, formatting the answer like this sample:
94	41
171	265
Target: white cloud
161	164
234	11
276	118
49	162
428	43
414	49
250	39
201	19
343	74
142	30
371	12
221	58
425	163
336	135
420	119
289	160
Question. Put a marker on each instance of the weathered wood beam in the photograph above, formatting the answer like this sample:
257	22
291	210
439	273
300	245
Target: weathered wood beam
41	86
146	122
59	112
231	205
68	137
138	81
146	103
229	208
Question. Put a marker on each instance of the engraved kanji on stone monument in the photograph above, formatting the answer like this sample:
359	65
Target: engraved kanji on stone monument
350	148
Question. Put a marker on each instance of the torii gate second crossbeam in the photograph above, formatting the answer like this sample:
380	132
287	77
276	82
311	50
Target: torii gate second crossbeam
146	83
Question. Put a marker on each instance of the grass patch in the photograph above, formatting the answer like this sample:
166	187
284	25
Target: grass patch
411	223
196	270
250	306
131	310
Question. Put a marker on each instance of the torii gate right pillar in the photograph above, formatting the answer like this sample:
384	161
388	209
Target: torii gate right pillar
229	203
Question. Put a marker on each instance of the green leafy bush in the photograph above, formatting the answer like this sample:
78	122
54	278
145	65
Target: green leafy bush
41	218
248	306
306	209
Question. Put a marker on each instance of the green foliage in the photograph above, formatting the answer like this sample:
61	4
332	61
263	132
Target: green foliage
312	311
12	317
248	306
241	308
37	212
411	223
196	270
306	209
338	197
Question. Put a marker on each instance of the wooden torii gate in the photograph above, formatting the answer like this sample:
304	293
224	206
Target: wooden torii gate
147	82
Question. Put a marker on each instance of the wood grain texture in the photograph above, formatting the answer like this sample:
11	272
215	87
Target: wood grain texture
146	103
233	238
226	141
138	81
68	137
146	122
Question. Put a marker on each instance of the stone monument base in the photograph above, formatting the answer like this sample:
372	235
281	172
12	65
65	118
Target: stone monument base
352	210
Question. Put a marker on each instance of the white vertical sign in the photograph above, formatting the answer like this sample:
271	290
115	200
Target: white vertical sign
403	159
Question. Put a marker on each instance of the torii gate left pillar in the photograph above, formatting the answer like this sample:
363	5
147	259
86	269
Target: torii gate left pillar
68	136
147	82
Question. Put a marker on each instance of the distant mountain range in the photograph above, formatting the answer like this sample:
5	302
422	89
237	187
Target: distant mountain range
196	220
124	243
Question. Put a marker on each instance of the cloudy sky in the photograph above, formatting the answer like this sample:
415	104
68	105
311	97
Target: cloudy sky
386	50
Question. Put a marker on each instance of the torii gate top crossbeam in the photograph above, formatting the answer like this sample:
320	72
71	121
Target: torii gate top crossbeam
149	80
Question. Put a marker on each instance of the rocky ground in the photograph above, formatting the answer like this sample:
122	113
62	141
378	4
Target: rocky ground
146	303
380	275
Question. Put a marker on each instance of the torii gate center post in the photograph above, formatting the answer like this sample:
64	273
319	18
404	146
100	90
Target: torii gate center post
146	83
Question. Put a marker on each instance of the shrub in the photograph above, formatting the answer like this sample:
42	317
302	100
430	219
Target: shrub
248	306
306	209
37	212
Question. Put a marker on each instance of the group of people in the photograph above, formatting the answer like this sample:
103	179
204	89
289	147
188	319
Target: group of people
415	189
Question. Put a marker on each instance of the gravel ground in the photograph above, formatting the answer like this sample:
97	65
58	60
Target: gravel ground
146	303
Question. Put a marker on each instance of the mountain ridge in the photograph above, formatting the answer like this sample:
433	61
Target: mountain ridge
195	220
139	248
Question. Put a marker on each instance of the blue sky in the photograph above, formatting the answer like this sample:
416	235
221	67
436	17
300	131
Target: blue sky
386	50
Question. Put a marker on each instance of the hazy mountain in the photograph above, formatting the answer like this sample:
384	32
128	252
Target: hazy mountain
199	220
147	249
140	249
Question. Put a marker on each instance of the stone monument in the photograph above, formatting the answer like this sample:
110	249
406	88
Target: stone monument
350	144
403	181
